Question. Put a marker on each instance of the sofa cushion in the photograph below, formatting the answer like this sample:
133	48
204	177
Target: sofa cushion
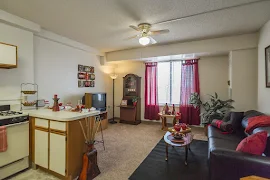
256	122
216	133
252	113
227	117
249	114
225	127
223	143
267	129
236	119
253	144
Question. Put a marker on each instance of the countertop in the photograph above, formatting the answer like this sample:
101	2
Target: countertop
59	115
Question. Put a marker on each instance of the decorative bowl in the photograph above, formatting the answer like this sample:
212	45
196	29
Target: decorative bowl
178	135
188	130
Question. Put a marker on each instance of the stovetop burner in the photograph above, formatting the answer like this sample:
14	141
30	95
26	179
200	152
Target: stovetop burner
9	113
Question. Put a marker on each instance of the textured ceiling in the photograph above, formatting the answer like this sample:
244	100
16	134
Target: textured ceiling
103	24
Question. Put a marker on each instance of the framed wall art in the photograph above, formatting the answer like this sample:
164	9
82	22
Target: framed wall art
80	83
86	83
81	75
92	69
80	68
124	103
92	76
86	76
267	67
92	83
87	68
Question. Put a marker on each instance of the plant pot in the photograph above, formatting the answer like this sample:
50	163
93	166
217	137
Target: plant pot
134	103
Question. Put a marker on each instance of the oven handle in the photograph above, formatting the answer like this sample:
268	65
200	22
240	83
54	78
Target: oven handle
25	122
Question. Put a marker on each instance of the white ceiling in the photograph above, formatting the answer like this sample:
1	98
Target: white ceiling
103	24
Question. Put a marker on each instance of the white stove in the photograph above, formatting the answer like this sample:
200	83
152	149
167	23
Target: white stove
12	117
15	159
9	113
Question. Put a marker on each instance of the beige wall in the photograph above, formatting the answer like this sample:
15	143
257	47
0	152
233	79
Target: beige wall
213	73
213	76
244	79
56	68
263	92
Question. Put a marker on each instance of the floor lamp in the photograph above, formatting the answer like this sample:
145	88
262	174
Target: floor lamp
113	76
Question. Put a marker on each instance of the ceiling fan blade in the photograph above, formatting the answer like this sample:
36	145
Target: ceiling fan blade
153	41
132	37
164	31
135	28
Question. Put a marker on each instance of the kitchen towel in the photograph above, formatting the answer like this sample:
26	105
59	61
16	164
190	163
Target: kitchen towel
3	139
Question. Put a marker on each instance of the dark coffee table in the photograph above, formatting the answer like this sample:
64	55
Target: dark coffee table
186	144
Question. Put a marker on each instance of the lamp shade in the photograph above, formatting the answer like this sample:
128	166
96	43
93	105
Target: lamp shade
113	76
144	41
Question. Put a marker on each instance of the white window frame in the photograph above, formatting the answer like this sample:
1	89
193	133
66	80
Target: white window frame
170	103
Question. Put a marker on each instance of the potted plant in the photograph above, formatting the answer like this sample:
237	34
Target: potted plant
214	108
135	100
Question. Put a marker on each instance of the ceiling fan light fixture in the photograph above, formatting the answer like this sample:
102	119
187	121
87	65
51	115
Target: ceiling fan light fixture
144	41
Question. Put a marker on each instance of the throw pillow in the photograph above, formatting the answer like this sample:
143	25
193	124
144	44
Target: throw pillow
257	121
223	126
253	144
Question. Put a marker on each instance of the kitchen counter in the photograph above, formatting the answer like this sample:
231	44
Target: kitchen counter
64	116
57	141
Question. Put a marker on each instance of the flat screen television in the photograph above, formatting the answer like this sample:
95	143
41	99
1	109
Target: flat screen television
99	101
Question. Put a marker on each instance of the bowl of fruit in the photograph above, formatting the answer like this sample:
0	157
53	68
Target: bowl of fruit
182	127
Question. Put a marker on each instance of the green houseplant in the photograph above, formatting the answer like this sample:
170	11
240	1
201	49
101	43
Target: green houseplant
214	108
135	100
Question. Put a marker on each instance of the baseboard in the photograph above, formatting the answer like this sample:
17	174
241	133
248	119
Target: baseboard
131	122
154	121
143	120
115	118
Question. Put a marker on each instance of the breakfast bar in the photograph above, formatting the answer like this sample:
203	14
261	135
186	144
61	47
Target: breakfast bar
57	143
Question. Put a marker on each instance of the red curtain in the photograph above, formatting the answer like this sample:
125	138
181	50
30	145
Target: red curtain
189	84
151	92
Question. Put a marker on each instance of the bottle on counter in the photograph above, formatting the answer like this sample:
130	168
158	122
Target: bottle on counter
55	104
173	110
167	109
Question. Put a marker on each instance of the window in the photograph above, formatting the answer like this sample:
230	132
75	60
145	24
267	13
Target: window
169	82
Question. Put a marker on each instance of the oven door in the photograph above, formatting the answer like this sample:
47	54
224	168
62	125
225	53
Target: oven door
18	143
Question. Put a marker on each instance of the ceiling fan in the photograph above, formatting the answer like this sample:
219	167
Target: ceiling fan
145	35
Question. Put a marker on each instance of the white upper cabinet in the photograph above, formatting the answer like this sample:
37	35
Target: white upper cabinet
8	56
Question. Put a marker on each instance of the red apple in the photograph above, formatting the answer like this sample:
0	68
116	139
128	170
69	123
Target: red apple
183	126
177	127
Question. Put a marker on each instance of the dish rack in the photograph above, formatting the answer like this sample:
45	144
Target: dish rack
29	89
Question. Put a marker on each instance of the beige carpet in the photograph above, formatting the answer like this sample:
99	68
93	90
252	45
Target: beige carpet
126	147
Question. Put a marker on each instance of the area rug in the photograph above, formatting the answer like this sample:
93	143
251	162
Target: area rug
154	166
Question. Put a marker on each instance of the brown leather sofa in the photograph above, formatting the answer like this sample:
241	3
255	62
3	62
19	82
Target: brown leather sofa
225	163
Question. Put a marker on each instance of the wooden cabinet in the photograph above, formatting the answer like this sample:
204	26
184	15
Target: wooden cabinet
131	88
57	153
8	56
41	148
58	146
50	145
